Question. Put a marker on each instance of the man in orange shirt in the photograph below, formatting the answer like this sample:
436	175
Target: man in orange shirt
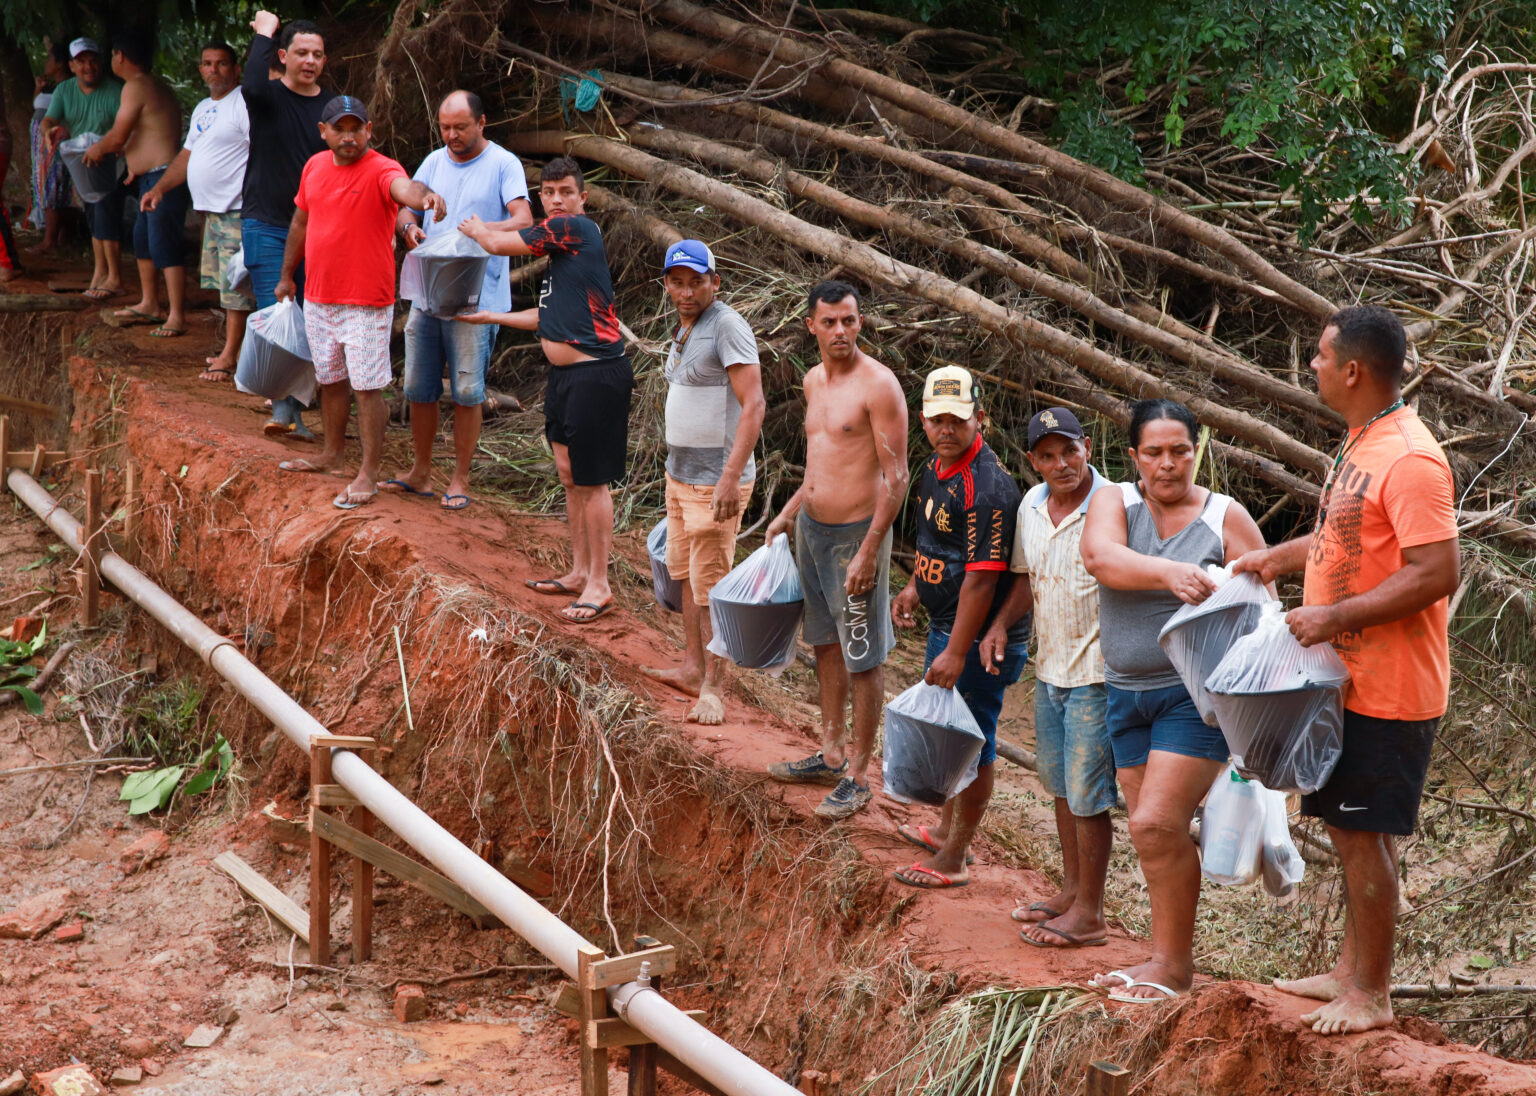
1380	566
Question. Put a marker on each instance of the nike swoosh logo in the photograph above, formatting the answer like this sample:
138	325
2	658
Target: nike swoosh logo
1344	808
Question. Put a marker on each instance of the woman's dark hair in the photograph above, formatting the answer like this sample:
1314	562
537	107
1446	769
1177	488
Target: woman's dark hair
1145	411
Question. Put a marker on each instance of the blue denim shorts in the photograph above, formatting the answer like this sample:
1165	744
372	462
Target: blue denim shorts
981	691
1072	747
432	343
1158	719
161	235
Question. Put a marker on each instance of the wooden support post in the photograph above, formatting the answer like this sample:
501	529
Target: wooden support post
362	881
319	866
594	1007
39	458
642	1058
91	580
5	450
1107	1079
132	506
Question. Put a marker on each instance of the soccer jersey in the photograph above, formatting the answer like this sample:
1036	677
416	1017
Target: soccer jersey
576	293
965	522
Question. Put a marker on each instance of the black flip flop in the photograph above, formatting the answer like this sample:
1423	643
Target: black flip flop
598	611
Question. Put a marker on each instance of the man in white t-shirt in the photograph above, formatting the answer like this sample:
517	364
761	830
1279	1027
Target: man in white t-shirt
212	164
476	177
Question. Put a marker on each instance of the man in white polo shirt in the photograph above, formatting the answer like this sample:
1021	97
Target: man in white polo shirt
1071	739
212	164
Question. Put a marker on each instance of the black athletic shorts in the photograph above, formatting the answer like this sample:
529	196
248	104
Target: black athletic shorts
586	409
1379	778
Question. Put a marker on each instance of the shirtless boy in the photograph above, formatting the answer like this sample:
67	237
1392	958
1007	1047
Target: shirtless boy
855	482
148	134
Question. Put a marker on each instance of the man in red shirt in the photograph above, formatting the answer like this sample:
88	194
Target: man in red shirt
344	232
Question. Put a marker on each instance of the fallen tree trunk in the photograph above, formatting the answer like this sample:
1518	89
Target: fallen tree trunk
40	302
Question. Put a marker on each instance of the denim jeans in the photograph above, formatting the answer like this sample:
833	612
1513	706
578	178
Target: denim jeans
263	245
1072	747
981	691
431	343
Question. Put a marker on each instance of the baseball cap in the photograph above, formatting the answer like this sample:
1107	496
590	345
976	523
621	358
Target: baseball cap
949	390
694	254
83	45
341	106
1054	420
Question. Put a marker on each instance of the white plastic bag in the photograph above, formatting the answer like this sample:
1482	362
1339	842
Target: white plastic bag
668	590
932	745
1283	865
1232	830
755	610
236	277
443	274
1197	636
93	182
1281	706
274	356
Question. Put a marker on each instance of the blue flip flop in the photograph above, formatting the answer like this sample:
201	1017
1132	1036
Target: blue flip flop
408	489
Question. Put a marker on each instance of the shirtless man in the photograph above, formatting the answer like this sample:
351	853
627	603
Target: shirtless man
148	134
855	482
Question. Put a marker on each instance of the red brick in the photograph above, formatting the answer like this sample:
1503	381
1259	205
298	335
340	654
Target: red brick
36	915
71	933
67	1081
144	852
410	1004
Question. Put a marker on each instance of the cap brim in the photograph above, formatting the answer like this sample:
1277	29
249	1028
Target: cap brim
698	267
1070	435
961	409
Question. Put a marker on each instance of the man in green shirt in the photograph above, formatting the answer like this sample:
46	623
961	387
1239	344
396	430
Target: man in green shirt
87	103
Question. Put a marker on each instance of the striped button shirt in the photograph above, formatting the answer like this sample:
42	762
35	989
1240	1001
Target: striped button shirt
1066	614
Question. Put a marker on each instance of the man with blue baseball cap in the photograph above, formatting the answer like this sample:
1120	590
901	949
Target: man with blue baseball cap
713	418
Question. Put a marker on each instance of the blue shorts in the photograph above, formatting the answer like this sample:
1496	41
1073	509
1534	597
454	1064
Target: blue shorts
432	343
1072	747
981	691
106	216
1158	719
161	234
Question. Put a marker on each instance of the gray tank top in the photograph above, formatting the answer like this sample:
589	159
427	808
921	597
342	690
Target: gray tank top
1129	620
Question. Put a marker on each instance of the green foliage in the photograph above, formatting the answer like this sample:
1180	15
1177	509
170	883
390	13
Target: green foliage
166	723
13	673
153	790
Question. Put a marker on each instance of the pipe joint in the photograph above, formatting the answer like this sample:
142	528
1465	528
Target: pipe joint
623	996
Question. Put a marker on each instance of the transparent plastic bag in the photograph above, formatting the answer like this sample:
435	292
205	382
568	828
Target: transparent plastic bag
755	610
1283	865
1232	830
1281	706
668	590
1197	636
443	274
237	277
93	182
932	745
274	356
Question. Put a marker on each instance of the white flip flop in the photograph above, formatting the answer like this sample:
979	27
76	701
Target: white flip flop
1168	994
1120	974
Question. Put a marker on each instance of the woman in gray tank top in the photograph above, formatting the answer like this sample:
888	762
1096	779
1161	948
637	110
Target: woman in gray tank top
1148	543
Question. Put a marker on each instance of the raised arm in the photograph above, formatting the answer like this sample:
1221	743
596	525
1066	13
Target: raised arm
261	58
1286	558
496	241
1117	566
888	424
525	320
417	195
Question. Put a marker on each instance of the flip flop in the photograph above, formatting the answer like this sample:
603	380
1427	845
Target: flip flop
99	294
302	465
164	332
918	835
597	611
1070	941
944	882
216	376
348	501
131	315
406	488
556	587
1168	994
1037	907
449	504
1120	974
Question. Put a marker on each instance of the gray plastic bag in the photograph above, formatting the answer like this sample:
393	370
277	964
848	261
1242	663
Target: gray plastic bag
755	610
274	356
932	745
1197	637
668	590
443	274
93	182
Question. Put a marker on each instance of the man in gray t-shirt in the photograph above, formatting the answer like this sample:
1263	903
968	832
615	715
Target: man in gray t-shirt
714	414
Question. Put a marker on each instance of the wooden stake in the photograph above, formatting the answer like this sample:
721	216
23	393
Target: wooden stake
319	868
91	580
362	882
594	1007
1107	1079
131	507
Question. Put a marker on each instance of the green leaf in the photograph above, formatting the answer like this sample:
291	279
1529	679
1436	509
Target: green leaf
148	791
201	782
31	700
1480	962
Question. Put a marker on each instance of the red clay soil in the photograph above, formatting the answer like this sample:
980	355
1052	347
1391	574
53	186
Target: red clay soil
1229	1038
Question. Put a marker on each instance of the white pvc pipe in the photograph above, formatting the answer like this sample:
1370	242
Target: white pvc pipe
643	1008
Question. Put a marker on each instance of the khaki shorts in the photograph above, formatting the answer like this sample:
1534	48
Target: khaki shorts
221	239
699	548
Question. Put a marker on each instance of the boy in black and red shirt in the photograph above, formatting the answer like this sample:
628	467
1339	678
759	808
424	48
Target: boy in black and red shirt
586	400
967	504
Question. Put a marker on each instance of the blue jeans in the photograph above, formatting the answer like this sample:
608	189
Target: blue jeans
981	691
431	343
1072	747
263	246
1158	719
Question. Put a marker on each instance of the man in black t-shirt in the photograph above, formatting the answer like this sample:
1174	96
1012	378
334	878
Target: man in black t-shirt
586	400
285	133
967	504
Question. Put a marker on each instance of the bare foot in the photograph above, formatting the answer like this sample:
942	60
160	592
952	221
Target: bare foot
1321	987
1352	1011
1071	930
709	711
1179	981
1046	909
684	679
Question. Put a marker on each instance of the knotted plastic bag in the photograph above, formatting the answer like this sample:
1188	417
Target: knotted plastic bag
1283	865
1197	636
443	274
93	182
1232	829
237	278
1281	706
274	356
668	590
755	610
932	745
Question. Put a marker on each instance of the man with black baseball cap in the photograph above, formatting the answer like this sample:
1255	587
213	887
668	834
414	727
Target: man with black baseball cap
1071	738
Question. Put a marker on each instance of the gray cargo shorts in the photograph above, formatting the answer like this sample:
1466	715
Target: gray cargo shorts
860	626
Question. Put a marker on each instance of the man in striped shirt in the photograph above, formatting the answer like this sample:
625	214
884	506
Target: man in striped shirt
1071	740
